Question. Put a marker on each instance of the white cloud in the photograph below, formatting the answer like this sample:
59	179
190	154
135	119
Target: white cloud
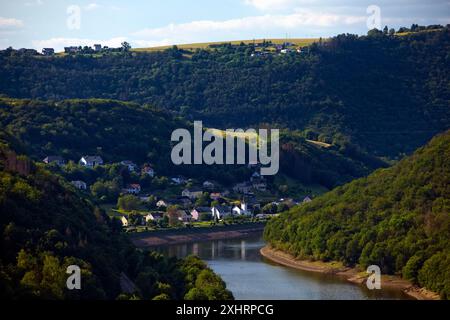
92	6
209	29
10	23
59	43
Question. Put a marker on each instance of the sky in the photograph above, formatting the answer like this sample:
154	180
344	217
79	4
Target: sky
58	23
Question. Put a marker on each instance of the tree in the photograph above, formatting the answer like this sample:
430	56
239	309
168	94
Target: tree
172	213
126	46
203	200
128	202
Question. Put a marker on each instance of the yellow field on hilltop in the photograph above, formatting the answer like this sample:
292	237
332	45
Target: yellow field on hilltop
299	42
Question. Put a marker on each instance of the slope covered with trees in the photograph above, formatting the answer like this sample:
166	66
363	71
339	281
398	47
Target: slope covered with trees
46	226
358	90
127	131
397	218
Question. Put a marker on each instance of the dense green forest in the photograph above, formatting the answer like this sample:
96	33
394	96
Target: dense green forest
383	93
46	226
397	218
127	131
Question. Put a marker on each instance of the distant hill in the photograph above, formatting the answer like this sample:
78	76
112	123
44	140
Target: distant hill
45	226
299	42
397	218
384	94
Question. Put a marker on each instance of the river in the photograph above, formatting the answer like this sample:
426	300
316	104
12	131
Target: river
252	277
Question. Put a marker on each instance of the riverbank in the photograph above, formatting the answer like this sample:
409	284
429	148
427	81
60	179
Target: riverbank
350	274
190	235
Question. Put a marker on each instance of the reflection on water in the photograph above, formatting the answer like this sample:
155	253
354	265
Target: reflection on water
250	276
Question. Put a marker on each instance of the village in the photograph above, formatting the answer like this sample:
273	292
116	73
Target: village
261	48
183	202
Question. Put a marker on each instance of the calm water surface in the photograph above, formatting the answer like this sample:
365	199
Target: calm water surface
250	276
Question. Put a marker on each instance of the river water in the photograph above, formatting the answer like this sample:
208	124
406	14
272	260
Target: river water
252	277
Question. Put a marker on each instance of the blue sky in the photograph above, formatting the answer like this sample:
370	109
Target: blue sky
59	23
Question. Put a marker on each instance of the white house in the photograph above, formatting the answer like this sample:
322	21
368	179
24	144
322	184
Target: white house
131	166
192	193
133	188
155	216
161	203
81	185
307	199
241	210
220	212
124	221
55	159
91	161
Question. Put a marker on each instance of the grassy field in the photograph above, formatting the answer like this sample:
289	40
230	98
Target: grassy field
192	46
319	143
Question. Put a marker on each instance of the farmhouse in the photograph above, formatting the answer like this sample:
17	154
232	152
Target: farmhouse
91	161
55	159
161	203
154	216
48	51
192	193
131	166
72	49
133	188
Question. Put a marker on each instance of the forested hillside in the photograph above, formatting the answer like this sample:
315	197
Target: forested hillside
385	94
127	131
46	226
397	218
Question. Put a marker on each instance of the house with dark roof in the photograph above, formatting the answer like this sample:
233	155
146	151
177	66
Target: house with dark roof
133	188
91	161
131	166
192	193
